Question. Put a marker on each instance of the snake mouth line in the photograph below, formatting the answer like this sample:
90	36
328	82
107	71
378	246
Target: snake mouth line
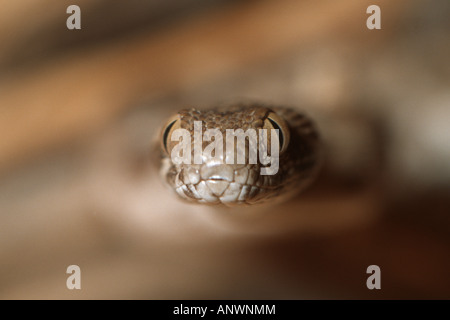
220	179
219	191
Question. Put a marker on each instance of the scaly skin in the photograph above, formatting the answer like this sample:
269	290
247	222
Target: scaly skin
217	183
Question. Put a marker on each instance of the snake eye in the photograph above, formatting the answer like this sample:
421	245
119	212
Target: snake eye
280	132
274	121
166	134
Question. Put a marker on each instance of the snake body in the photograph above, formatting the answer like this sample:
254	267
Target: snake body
215	182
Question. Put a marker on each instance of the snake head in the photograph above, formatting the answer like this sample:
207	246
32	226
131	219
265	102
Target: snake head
230	156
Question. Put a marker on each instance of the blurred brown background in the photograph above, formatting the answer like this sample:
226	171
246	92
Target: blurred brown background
79	109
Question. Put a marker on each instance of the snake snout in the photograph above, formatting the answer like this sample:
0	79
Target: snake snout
217	178
217	172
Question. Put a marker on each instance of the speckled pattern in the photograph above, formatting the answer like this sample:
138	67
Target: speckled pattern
217	183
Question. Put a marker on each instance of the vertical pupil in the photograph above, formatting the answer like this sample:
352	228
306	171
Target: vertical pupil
166	134
280	132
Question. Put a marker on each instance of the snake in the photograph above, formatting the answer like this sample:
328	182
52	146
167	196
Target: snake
216	182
